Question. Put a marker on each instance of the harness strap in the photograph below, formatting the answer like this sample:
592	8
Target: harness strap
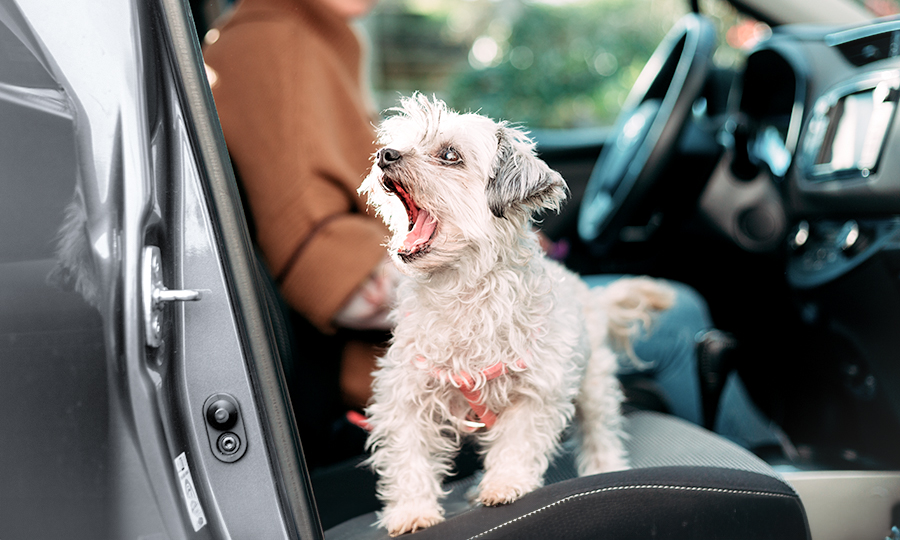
480	416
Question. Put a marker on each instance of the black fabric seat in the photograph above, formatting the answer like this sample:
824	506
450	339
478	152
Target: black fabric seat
685	482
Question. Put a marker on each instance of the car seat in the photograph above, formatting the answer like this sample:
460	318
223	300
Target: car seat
685	482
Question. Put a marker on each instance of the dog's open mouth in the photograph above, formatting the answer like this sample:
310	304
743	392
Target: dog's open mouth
422	225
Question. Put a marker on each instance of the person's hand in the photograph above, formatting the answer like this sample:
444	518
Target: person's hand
370	305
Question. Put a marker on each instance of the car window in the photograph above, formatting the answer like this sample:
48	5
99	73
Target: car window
542	63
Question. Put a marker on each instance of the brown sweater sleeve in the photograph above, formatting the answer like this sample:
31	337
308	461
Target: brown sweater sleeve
296	127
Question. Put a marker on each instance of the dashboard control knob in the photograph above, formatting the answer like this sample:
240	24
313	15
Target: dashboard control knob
800	236
851	238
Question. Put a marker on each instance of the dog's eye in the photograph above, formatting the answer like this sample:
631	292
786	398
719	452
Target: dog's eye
449	155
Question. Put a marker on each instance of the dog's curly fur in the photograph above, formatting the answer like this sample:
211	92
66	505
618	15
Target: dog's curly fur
458	192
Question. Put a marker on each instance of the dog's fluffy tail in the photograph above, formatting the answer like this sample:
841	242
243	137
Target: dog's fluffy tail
632	303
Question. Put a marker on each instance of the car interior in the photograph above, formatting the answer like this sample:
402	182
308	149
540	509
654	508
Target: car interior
769	186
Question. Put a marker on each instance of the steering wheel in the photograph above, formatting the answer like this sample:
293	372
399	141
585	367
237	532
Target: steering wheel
646	130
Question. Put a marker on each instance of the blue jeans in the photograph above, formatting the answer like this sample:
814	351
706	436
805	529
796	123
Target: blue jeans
669	351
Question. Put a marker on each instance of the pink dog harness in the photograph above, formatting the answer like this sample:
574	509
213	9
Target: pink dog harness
480	416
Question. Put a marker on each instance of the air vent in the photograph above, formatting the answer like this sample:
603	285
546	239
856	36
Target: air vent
869	43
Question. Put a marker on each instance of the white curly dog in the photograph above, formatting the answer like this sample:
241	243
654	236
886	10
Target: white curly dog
492	339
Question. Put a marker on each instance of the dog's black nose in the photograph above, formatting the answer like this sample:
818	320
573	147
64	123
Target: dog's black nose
387	157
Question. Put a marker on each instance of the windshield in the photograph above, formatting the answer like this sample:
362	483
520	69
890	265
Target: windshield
544	64
541	63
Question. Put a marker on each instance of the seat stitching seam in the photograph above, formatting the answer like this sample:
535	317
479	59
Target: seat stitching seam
620	488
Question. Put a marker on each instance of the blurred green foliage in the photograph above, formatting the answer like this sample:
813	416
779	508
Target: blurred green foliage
565	66
541	63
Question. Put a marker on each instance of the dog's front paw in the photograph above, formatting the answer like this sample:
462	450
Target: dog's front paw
497	492
410	517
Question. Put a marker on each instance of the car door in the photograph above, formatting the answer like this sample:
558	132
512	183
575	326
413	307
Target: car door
139	376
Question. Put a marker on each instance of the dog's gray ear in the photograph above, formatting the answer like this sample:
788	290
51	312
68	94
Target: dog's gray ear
520	180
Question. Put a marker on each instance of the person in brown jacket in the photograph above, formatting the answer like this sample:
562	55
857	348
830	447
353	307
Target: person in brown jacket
286	78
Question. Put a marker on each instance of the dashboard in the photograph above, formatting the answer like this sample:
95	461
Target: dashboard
810	179
813	164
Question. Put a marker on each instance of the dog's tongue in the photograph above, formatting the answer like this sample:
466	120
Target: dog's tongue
421	232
